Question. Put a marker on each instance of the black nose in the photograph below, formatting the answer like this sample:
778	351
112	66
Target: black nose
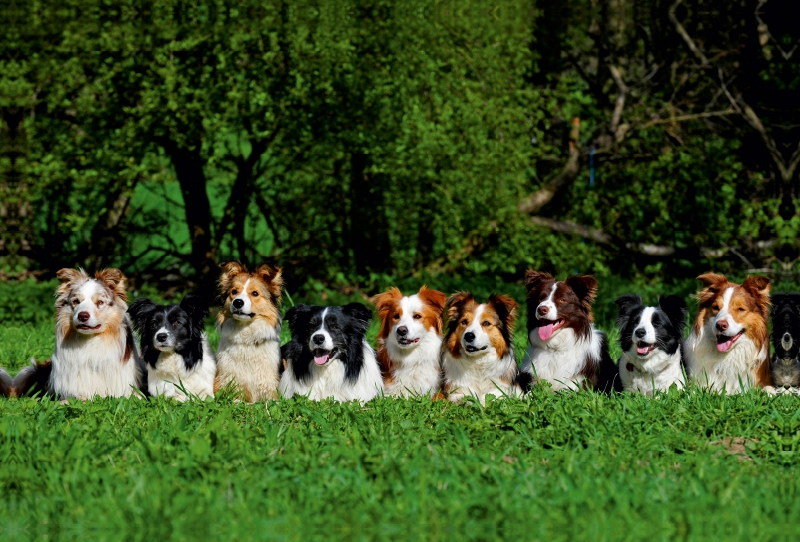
318	339
469	337
83	316
161	337
787	337
640	332
402	331
238	303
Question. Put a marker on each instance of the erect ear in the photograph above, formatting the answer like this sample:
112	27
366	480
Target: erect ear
360	313
139	312
506	309
675	308
758	286
585	287
115	280
434	298
385	301
273	278
298	316
625	305
456	302
535	279
229	271
195	308
67	277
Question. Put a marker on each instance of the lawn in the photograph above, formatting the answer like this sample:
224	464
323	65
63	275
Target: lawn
551	466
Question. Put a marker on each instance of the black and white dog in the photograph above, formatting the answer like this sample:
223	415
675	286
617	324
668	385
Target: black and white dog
175	348
328	355
652	343
785	364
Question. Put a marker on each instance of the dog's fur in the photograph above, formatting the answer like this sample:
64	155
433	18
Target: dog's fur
785	364
565	348
409	341
6	384
95	352
175	348
328	355
477	351
728	347
652	343
249	325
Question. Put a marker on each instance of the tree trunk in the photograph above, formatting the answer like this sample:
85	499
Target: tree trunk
369	236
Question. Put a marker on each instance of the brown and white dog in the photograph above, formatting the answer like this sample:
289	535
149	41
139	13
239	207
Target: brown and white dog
565	348
477	351
249	326
728	348
95	354
409	341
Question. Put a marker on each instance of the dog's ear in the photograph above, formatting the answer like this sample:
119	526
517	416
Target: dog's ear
758	286
273	277
229	271
456	303
195	308
298	317
115	280
434	298
585	287
386	300
535	279
506	309
625	306
139	312
675	308
712	285
68	277
360	313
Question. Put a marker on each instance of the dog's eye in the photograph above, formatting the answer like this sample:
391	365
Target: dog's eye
254	293
417	316
332	325
464	322
740	309
715	307
75	302
234	291
562	300
100	303
396	316
486	323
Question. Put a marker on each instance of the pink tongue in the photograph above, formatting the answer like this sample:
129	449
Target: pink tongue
725	346
545	332
642	349
321	360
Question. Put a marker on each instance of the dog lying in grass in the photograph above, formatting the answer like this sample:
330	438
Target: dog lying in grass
785	363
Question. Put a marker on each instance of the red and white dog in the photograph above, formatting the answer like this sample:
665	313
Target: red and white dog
410	340
95	354
477	351
728	348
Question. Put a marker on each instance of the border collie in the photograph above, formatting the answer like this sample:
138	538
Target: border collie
652	343
249	324
728	347
785	364
565	348
410	340
174	348
6	384
328	355
95	352
477	351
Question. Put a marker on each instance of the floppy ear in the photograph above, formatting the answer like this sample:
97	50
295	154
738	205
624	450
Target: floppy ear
229	270
385	301
273	278
712	285
115	280
758	286
506	309
585	287
675	308
534	279
298	316
434	298
195	308
139	312
68	277
456	302
625	305
360	313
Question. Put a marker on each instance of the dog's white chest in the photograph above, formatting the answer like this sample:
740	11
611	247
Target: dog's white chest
250	355
415	371
479	375
658	372
171	378
561	359
89	366
732	371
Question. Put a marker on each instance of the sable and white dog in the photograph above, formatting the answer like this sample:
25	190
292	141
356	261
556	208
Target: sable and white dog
477	352
329	356
410	340
728	347
249	323
175	348
652	343
95	354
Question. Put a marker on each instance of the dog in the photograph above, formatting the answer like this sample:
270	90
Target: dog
652	344
727	348
328	354
785	364
409	341
175	348
95	354
478	351
565	349
249	353
6	384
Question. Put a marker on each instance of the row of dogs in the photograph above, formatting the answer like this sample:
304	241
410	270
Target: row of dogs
429	344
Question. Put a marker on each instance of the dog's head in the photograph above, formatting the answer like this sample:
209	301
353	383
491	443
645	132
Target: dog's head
170	328
786	325
248	296
406	320
730	311
643	330
473	328
555	305
87	305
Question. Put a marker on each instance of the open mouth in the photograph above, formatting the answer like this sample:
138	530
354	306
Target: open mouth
322	356
473	349
725	343
545	332
407	342
642	348
242	314
84	327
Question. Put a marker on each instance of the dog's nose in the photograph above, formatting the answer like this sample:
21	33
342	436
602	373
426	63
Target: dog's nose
542	310
640	333
161	337
238	303
787	337
402	331
83	316
722	326
469	337
318	339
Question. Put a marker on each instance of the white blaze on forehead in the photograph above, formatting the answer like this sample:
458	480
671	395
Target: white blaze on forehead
724	313
410	305
244	297
552	312
646	323
328	343
481	337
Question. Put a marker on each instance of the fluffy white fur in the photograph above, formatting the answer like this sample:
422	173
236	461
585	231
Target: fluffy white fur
328	381
478	375
416	369
658	371
560	359
250	354
170	374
